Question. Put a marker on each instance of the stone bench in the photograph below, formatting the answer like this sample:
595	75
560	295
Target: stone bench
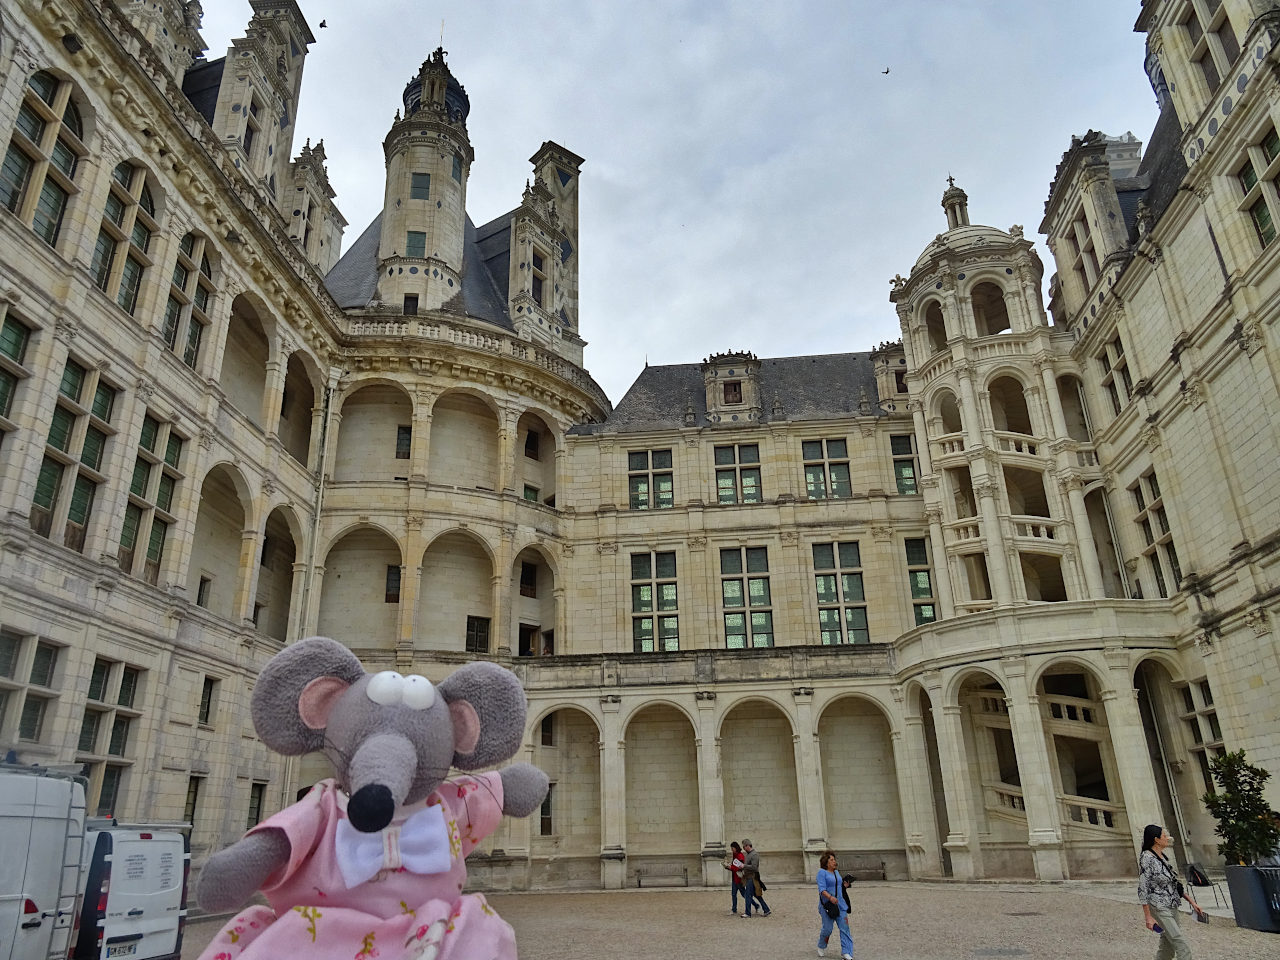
671	872
862	866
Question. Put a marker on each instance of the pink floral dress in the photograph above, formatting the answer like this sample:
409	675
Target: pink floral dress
397	914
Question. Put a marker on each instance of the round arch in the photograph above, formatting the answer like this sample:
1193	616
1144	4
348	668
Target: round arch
956	682
885	710
325	546
755	698
354	386
640	707
469	534
1089	662
474	393
534	721
240	483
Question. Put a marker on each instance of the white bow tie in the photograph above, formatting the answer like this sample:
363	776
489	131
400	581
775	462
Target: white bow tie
420	845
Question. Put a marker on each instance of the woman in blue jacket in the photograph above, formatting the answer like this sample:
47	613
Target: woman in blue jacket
831	891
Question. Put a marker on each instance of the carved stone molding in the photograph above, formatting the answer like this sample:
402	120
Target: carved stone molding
1251	337
1070	480
705	696
1193	393
65	329
986	489
205	439
1258	621
609	547
802	692
790	537
882	532
268	485
414	521
1151	436
933	515
697	543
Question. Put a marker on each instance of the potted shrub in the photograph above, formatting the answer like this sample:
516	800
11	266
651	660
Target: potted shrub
1248	833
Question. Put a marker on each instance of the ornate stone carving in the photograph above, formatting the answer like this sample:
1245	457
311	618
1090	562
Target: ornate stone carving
697	543
414	521
65	329
705	696
146	389
1258	621
986	488
1193	393
882	532
1070	480
802	692
268	485
790	537
205	439
603	548
1251	337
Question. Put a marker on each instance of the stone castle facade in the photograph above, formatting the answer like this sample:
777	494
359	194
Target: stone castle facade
979	603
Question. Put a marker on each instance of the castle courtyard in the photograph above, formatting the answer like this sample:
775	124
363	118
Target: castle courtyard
1081	920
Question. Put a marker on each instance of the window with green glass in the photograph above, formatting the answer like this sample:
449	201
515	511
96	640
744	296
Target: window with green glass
746	601
738	473
191	353
920	580
95	442
842	602
650	480
904	463
415	244
14	337
60	427
88	740
130	282
8	387
173	450
826	468
47	484
14	175
98	679
140	481
104	401
82	496
457	168
655	606
150	430
52	204
72	381
129	679
129	529
420	186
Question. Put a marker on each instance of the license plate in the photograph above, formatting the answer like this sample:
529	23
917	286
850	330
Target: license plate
122	950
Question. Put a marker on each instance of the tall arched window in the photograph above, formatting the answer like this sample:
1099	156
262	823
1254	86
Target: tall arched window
128	223
39	170
186	313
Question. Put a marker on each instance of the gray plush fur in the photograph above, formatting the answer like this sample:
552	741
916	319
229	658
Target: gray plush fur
382	756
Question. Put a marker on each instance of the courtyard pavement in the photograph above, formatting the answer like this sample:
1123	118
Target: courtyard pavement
1080	920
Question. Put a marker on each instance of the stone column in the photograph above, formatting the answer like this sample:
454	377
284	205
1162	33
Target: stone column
1054	399
561	619
273	394
420	443
922	436
1133	763
410	580
997	563
247	587
297	616
508	436
1039	789
941	565
915	795
613	796
970	415
962	840
809	780
710	791
1073	485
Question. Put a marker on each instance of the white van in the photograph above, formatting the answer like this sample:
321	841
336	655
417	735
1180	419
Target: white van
41	839
135	893
93	886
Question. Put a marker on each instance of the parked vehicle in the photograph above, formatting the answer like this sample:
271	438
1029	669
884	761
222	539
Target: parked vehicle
85	888
135	893
42	819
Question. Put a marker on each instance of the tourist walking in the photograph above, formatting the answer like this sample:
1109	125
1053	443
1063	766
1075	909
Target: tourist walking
833	906
751	878
734	863
1159	892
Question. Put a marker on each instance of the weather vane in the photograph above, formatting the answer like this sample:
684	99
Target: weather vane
951	181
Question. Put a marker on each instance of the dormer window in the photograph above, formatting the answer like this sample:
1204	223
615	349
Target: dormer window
733	391
1211	40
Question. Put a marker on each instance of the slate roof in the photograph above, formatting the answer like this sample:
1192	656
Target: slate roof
485	255
201	83
1163	164
822	387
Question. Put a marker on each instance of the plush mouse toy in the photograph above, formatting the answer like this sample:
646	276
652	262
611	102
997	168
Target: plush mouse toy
371	863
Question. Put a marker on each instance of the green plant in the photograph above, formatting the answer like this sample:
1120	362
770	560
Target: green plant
1245	824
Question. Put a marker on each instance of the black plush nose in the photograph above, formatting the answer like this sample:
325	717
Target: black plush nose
371	808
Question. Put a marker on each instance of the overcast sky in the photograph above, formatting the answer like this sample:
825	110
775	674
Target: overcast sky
752	178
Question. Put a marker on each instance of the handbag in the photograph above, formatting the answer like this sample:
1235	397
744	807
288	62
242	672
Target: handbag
832	908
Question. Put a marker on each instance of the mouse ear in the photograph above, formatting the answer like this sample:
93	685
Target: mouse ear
297	689
488	708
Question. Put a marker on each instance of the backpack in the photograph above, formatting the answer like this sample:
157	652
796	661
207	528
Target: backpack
1196	876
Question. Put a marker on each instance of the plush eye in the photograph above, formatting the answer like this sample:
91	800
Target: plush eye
386	688
419	694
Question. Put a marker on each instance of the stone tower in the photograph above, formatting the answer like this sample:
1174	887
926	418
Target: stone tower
424	217
1004	446
258	96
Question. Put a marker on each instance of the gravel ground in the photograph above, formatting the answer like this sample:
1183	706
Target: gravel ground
955	921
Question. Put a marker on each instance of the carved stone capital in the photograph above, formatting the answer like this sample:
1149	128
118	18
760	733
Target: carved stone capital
697	542
882	532
603	548
1258	621
986	489
65	329
1193	392
790	537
